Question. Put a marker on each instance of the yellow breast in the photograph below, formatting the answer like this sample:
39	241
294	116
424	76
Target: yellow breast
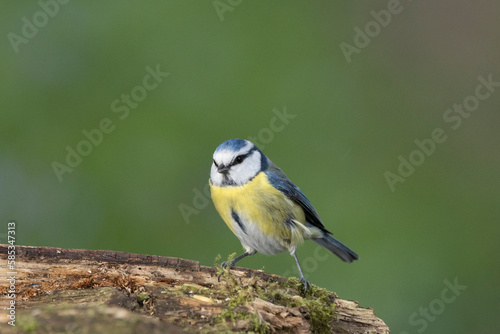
261	204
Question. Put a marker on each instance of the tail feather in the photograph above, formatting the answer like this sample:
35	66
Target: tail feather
337	248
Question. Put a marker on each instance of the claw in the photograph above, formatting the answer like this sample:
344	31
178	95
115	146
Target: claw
306	284
224	266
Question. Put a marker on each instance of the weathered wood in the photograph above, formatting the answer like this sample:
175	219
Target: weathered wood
126	293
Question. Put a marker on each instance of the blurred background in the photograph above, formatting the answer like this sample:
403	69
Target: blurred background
111	113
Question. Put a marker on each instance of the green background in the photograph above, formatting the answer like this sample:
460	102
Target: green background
226	75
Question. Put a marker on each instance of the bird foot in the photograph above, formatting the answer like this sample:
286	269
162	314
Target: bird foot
306	284
224	265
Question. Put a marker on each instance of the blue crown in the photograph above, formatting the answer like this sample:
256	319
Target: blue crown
234	145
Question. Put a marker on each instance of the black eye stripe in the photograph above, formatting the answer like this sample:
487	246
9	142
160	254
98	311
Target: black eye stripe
239	159
242	157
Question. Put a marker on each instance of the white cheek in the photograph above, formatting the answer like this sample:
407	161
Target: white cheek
215	176
238	174
244	172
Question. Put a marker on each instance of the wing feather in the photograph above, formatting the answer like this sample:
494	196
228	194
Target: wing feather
280	181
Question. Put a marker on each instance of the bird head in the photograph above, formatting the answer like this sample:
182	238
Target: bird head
235	162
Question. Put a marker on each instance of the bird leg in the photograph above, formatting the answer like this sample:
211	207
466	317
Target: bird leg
225	265
302	278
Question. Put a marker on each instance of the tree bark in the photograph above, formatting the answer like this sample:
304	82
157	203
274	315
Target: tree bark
99	291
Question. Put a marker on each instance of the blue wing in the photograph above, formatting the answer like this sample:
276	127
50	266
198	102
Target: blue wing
281	182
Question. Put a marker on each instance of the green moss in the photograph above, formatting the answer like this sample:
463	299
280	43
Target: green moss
317	301
217	259
222	272
142	297
321	311
239	296
174	292
234	309
27	324
258	326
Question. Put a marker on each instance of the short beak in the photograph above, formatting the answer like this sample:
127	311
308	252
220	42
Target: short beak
222	169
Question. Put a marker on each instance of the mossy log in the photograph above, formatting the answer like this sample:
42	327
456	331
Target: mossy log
96	291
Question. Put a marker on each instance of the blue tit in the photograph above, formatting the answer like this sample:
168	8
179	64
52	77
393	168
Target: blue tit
263	208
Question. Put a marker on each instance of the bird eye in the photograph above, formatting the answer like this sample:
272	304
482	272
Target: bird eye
215	164
238	160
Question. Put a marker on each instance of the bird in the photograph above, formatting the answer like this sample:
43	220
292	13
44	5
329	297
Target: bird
266	211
